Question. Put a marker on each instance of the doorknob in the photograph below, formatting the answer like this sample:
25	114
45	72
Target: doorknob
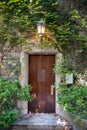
52	89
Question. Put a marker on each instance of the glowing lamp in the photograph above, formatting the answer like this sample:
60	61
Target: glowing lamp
41	27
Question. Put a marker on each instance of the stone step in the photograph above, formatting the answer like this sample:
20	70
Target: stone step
41	122
37	127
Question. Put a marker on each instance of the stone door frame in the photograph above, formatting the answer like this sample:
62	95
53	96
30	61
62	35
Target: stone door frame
24	60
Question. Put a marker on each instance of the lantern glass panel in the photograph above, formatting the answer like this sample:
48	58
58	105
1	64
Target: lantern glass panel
43	29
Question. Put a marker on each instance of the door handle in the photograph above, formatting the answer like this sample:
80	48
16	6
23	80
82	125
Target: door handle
52	89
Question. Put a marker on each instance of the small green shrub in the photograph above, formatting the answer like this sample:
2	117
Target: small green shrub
74	99
8	91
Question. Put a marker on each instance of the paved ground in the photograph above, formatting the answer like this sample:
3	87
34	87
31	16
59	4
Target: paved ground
42	121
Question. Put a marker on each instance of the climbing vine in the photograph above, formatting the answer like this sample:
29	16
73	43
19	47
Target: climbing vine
66	28
19	19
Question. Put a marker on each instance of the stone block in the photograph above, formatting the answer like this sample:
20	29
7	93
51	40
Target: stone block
22	104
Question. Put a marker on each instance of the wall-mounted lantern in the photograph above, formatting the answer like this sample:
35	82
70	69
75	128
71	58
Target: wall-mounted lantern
41	28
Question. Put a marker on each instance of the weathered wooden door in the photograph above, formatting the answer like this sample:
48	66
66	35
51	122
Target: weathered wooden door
41	77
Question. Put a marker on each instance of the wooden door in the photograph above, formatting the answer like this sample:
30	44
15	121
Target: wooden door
41	77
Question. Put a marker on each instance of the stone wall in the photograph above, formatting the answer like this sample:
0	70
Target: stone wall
13	66
10	68
76	60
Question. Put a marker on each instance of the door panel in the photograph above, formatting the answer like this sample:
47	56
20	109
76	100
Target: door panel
41	78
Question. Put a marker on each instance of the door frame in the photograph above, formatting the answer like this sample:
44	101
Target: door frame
24	60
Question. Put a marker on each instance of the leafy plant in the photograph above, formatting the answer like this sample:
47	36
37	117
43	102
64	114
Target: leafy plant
10	91
74	99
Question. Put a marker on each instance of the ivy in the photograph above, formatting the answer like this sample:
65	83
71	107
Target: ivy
24	15
66	27
73	99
